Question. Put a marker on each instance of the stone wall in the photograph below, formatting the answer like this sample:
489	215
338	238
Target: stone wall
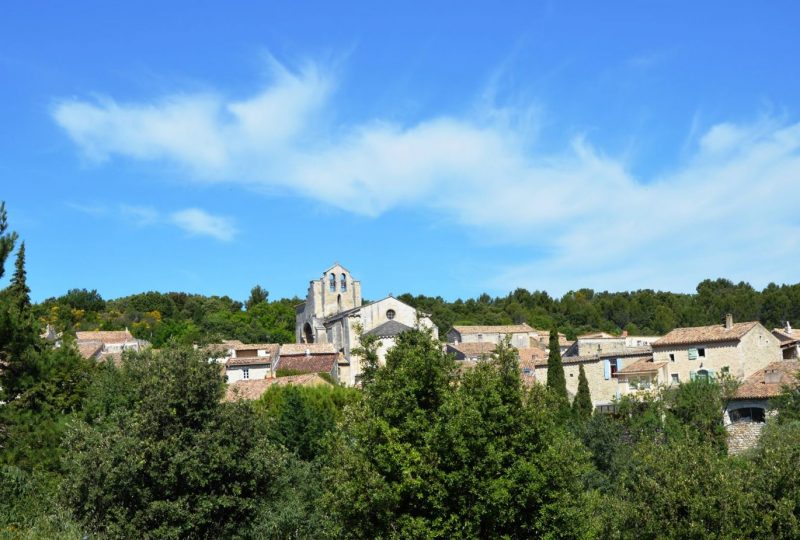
743	436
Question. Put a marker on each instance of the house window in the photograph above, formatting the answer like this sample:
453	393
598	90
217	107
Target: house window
526	371
390	314
747	414
614	366
725	369
671	357
332	282
701	353
343	283
245	373
702	375
480	337
676	379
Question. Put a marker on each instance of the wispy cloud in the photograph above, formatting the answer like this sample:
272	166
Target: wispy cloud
195	221
730	207
199	222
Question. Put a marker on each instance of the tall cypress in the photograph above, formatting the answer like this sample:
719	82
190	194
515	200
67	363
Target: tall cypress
582	406
7	240
556	382
20	292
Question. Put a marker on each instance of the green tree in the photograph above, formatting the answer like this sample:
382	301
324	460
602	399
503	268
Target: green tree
7	239
258	295
556	381
582	405
168	459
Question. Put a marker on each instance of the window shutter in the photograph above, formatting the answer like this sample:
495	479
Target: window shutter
692	375
692	354
606	369
619	364
712	374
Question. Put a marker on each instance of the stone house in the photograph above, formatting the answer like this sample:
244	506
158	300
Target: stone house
706	351
521	334
309	358
471	352
107	344
603	343
790	341
602	373
251	361
334	313
745	415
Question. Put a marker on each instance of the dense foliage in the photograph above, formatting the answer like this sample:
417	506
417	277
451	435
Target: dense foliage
148	448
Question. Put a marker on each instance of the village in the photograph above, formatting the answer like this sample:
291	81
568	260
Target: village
332	320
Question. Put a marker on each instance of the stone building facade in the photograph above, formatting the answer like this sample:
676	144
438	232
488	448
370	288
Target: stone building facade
739	349
334	313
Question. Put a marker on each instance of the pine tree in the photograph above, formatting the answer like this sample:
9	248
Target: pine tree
556	381
20	293
7	240
582	406
258	295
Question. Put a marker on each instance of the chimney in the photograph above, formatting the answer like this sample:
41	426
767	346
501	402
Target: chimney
728	321
624	333
788	328
772	376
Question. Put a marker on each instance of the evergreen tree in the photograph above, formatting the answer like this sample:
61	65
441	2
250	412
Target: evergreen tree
556	381
20	293
7	240
582	406
258	294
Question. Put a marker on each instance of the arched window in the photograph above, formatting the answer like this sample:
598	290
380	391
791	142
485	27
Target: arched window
702	375
390	314
343	283
332	280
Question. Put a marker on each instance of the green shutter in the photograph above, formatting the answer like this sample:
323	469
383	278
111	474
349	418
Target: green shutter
692	375
692	354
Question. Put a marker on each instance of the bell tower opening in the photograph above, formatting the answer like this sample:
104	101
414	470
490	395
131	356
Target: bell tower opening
308	335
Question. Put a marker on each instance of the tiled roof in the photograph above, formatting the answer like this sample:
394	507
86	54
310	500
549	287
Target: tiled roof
645	365
317	363
232	343
90	349
271	348
473	349
388	329
105	336
566	360
599	335
252	389
529	357
249	361
705	334
755	386
312	348
503	329
786	336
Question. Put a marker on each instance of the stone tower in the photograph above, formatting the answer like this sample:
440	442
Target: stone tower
333	293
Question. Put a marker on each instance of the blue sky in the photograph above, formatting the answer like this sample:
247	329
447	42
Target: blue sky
437	148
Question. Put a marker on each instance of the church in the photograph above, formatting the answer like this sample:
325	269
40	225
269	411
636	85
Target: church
333	313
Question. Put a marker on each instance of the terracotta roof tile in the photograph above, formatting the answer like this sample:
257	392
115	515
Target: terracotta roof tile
249	360
105	336
253	389
90	349
313	348
756	386
645	365
316	363
271	348
501	329
705	334
473	349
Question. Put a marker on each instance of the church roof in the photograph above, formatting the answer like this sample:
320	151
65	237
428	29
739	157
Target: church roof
388	329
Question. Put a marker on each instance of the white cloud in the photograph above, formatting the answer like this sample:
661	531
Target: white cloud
199	222
730	209
141	216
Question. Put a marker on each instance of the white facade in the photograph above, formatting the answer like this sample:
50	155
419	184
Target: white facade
333	313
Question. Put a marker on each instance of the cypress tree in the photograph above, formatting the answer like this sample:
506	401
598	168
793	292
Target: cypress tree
20	292
582	406
556	382
7	240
